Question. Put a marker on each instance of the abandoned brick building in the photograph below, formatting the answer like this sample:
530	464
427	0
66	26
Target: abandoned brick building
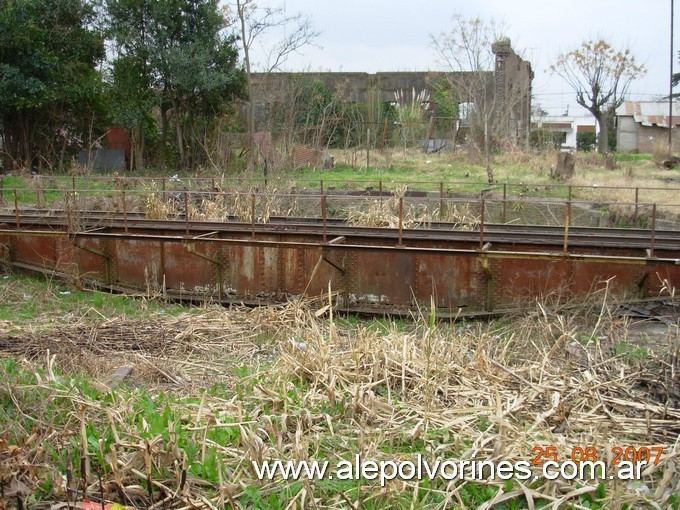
508	86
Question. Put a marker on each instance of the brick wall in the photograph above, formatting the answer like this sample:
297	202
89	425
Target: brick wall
512	80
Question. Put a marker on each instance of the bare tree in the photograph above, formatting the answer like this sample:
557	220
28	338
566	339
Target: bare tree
466	51
254	22
600	75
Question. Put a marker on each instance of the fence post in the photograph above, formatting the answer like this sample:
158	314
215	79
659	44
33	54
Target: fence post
16	208
505	203
116	194
652	240
125	223
567	221
401	221
323	214
252	215
186	212
368	148
441	199
481	224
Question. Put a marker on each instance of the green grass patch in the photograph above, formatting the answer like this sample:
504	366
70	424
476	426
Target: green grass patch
28	297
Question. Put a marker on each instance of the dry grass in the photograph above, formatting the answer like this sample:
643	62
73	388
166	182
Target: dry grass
311	387
384	213
224	206
158	207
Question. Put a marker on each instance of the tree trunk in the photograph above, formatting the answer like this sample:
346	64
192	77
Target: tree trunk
24	142
164	134
240	7
140	153
564	169
133	149
180	138
603	138
7	149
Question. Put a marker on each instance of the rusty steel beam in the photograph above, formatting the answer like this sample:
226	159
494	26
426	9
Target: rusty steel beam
237	263
544	255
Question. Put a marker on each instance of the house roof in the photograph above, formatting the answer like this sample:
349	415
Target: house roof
563	123
650	113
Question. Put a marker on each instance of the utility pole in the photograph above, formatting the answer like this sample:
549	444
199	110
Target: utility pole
670	94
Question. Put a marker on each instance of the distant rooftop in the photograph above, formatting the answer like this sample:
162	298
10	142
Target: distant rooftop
650	113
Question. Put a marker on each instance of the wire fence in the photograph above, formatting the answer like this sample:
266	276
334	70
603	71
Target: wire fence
84	202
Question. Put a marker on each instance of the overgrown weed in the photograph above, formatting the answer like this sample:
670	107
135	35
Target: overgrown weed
211	392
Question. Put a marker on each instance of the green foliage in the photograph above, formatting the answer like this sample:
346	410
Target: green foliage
315	99
446	98
174	56
312	115
51	95
545	139
611	140
631	352
586	142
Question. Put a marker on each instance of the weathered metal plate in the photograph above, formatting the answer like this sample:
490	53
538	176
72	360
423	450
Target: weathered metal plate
270	267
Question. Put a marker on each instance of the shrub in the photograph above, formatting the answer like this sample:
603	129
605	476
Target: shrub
545	139
586	142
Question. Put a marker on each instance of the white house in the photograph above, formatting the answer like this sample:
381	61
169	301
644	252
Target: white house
569	126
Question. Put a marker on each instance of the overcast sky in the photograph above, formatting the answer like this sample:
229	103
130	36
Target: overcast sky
395	35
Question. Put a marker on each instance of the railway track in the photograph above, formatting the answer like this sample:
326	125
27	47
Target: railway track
497	234
490	269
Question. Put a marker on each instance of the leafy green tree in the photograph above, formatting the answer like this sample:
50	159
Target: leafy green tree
51	96
446	98
174	55
132	82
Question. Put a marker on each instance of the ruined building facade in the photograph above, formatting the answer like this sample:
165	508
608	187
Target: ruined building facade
512	87
508	87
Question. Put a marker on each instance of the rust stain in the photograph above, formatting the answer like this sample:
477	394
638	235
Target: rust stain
371	277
